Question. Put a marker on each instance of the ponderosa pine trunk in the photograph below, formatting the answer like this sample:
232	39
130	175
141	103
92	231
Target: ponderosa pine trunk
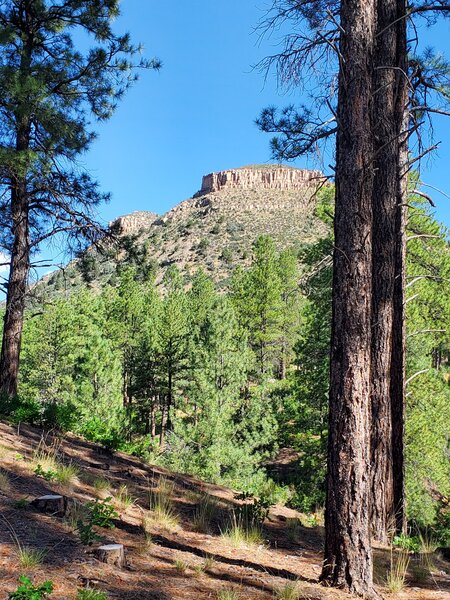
16	292
348	553
398	363
389	101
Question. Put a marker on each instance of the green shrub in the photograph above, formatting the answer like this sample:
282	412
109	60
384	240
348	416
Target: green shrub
86	532
227	255
100	432
48	475
59	416
102	512
20	410
410	543
28	591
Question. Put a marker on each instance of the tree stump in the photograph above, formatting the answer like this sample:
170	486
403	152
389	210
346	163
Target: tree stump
111	554
52	504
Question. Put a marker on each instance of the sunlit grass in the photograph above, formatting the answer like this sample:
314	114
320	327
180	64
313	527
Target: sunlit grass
123	498
162	510
240	535
102	486
289	591
29	558
228	595
91	595
47	462
180	566
396	577
4	450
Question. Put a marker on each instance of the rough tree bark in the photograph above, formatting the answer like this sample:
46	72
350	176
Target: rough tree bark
17	287
20	253
398	363
348	553
389	102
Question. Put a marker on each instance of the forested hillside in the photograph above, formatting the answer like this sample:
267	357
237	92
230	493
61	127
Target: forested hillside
213	381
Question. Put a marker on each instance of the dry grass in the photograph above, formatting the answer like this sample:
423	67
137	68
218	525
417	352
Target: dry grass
204	514
123	498
5	484
48	460
293	530
76	511
208	563
102	486
144	546
162	510
4	450
396	577
240	535
29	558
290	591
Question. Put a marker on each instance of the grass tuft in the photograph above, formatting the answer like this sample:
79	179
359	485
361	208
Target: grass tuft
228	595
162	511
102	486
204	514
5	484
180	566
289	591
4	450
123	498
91	595
293	530
47	462
240	535
29	557
67	475
396	577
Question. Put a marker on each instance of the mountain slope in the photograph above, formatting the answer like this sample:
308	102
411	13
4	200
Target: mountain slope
184	559
214	229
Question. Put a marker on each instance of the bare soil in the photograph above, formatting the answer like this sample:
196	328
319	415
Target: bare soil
180	563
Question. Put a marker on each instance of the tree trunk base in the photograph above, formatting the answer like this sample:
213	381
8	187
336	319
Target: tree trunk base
52	504
111	554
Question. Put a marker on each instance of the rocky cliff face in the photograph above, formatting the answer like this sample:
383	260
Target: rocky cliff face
215	229
260	177
132	223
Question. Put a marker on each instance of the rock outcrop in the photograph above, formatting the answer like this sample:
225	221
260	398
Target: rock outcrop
132	223
260	177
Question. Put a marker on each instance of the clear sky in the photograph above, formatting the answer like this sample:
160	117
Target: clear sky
197	114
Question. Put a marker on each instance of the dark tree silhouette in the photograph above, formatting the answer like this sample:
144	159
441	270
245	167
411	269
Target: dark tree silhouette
48	88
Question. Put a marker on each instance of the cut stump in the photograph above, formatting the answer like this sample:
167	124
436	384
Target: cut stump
52	504
111	554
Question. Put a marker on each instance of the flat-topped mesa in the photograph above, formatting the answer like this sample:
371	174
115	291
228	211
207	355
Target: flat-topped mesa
260	176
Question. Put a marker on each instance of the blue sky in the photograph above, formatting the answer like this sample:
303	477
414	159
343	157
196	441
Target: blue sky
197	114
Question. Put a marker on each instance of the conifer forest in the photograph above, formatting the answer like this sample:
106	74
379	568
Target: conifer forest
246	396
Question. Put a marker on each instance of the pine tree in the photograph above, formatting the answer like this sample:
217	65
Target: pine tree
173	342
258	297
48	88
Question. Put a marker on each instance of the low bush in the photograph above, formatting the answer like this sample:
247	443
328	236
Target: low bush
28	591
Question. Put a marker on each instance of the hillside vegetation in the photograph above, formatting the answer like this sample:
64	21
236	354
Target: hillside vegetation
183	538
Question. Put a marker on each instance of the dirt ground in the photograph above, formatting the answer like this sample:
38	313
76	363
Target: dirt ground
178	562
